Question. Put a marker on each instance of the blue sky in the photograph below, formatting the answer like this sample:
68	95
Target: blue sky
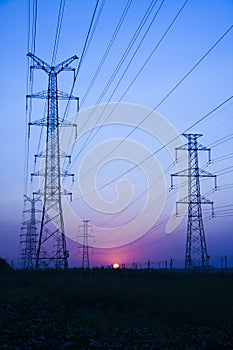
199	26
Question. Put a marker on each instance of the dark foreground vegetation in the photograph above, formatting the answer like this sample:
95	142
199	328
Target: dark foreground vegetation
122	309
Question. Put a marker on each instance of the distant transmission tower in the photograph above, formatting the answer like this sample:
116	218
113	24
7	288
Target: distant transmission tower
85	246
196	255
52	250
28	236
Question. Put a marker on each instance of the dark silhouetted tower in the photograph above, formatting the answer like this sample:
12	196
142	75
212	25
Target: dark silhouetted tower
196	255
85	244
28	236
51	249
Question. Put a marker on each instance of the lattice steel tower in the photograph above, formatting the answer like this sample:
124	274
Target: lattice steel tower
85	245
28	236
196	255
52	250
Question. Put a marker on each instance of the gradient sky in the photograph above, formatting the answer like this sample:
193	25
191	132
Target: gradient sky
199	26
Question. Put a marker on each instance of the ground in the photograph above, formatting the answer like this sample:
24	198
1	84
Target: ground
106	309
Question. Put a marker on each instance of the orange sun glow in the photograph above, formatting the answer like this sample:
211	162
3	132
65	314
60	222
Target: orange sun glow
116	266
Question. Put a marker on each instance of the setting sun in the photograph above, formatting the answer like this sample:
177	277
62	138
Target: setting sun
115	266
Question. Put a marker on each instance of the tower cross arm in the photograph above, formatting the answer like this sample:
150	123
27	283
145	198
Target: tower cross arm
41	94
181	173
204	173
40	122
187	173
194	136
67	173
31	200
65	96
65	65
39	63
196	147
190	199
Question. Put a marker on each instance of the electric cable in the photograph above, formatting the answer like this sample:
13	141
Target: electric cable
166	96
58	30
82	56
120	63
164	146
221	140
110	44
31	44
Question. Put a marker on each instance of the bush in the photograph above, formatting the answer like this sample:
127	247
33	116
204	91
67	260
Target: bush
5	267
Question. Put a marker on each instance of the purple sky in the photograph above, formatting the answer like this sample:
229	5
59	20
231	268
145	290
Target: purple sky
198	27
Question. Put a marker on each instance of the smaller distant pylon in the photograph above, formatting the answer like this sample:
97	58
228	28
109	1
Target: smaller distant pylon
85	245
28	236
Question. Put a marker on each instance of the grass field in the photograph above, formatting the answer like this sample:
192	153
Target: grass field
116	309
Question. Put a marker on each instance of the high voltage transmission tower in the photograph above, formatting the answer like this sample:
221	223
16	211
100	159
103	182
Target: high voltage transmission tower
196	255
28	237
85	245
51	249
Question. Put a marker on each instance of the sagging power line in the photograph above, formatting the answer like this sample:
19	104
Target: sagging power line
98	128
40	154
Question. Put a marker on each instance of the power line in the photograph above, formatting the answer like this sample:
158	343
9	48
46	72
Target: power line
128	48
140	195
86	41
111	42
28	236
154	241
225	170
31	44
221	140
162	147
93	29
54	55
162	240
126	249
166	96
58	30
222	158
139	45
83	54
147	244
90	136
126	52
34	25
225	187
